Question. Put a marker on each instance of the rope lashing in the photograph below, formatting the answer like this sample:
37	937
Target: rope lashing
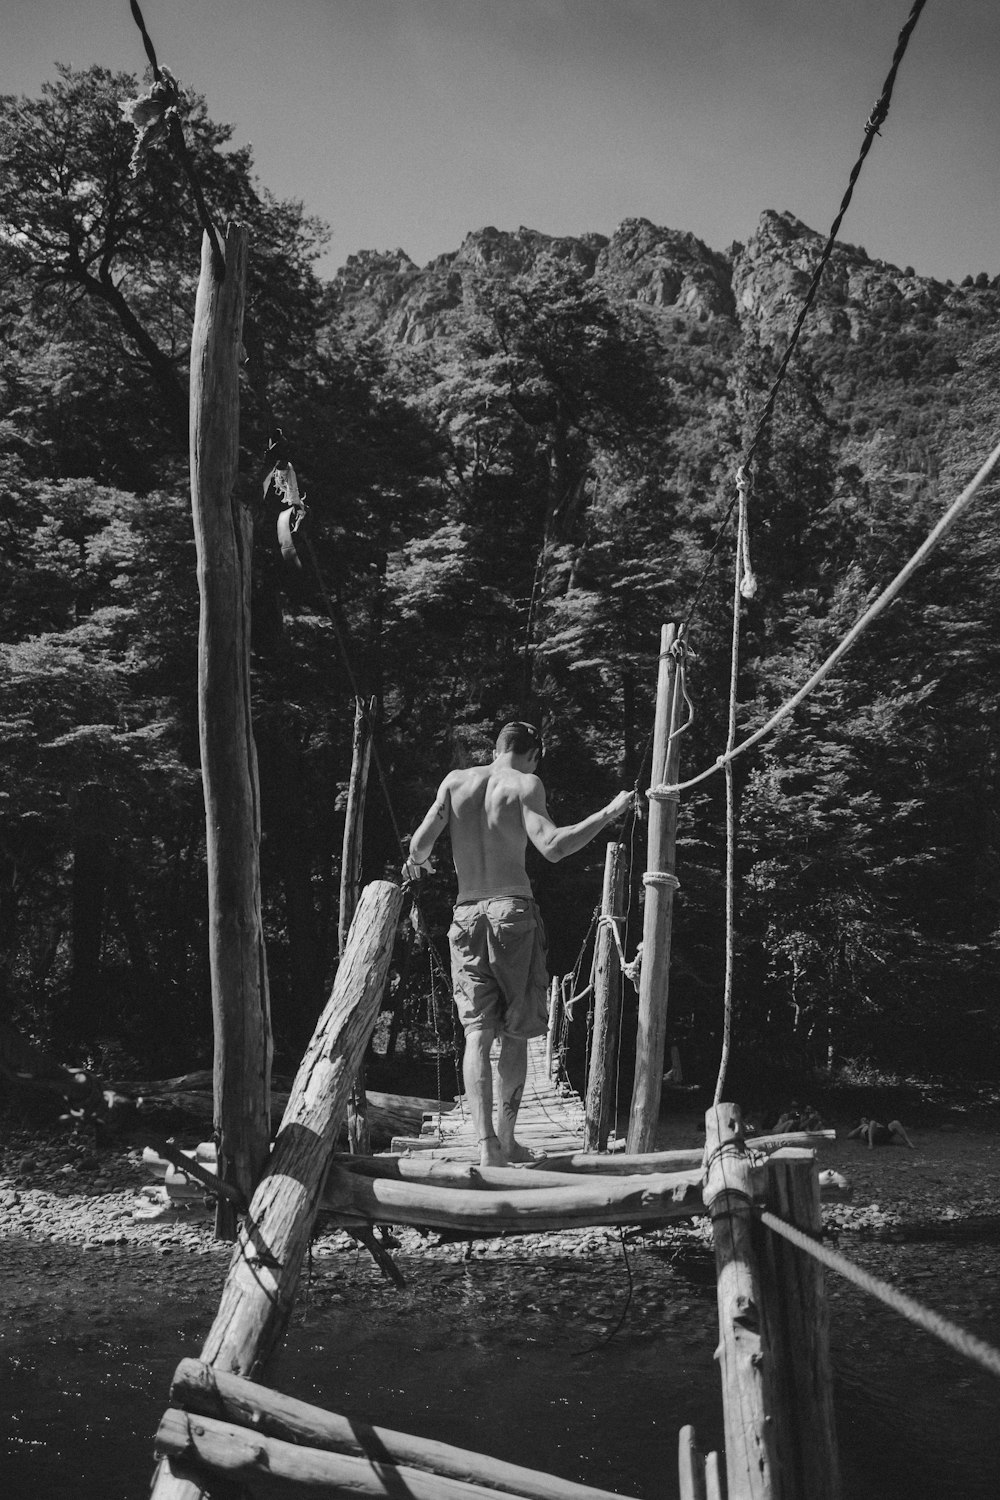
888	594
958	1339
744	571
662	878
629	969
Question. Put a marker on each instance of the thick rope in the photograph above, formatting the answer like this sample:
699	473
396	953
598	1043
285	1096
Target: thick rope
875	120
888	594
741	576
966	1344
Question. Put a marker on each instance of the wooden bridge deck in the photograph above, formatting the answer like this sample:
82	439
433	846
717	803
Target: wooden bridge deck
551	1118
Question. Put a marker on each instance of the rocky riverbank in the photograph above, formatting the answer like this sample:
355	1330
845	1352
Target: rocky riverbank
55	1189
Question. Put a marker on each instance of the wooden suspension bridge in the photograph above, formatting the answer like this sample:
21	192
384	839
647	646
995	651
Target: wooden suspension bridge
224	1430
223	1427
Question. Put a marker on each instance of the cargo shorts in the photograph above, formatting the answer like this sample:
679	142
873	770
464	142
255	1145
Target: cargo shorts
498	966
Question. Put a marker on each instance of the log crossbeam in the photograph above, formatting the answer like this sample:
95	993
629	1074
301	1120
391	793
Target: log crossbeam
224	1427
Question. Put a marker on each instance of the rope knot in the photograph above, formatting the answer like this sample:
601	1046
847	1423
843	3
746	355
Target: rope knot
151	115
876	118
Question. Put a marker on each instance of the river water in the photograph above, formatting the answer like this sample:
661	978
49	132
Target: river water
521	1357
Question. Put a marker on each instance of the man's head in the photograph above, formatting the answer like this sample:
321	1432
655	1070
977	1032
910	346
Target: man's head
520	739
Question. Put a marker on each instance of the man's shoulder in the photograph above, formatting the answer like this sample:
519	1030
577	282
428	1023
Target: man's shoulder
466	776
528	786
465	780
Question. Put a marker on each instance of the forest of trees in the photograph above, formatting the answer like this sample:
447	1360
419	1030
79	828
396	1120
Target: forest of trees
516	463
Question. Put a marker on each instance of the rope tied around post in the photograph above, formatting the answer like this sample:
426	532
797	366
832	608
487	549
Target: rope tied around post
630	968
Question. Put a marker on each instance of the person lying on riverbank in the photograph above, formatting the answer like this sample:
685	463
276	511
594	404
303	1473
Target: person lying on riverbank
877	1134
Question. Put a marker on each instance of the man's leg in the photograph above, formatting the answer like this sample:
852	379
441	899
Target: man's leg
478	1078
513	1070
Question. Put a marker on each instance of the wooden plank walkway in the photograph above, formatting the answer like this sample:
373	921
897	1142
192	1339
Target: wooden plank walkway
551	1118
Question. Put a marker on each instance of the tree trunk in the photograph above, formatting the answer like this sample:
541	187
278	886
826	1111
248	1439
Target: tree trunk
290	844
92	863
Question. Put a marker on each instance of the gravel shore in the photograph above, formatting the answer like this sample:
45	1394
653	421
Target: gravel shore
55	1189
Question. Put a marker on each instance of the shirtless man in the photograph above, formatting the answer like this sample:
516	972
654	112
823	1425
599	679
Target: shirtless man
497	938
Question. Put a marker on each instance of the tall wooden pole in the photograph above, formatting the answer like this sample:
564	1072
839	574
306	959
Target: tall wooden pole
660	882
259	1292
222	529
796	1326
607	1005
358	1133
750	1460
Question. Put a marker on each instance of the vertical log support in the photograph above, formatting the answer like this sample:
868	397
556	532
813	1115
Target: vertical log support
555	1002
750	1464
358	1134
796	1325
698	1476
222	529
260	1287
660	882
607	1005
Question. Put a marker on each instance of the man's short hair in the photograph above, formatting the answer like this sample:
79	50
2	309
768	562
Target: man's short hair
518	738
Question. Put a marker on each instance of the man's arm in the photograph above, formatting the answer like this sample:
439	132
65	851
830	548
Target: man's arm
556	843
426	836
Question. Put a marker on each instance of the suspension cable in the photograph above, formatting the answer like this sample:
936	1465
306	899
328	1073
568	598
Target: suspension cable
873	126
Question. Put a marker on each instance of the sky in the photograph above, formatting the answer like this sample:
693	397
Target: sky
406	124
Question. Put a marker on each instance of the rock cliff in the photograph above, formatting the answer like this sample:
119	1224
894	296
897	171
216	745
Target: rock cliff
669	271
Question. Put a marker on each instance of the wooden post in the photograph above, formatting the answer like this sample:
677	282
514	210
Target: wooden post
358	1132
698	1476
555	1000
660	883
259	1291
796	1325
222	530
750	1463
607	1005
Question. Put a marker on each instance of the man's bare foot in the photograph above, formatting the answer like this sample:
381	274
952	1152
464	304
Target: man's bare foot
515	1153
491	1152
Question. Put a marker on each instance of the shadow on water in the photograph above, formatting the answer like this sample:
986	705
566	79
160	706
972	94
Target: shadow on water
508	1357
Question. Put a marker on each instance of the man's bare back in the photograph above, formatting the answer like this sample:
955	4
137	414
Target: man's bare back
487	827
491	812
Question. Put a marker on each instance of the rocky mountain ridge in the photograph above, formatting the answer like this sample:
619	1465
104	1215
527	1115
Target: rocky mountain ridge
671	272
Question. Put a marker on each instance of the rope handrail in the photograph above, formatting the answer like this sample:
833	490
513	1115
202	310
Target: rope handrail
888	594
969	1345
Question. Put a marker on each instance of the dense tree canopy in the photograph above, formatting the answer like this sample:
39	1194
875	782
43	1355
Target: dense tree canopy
510	488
